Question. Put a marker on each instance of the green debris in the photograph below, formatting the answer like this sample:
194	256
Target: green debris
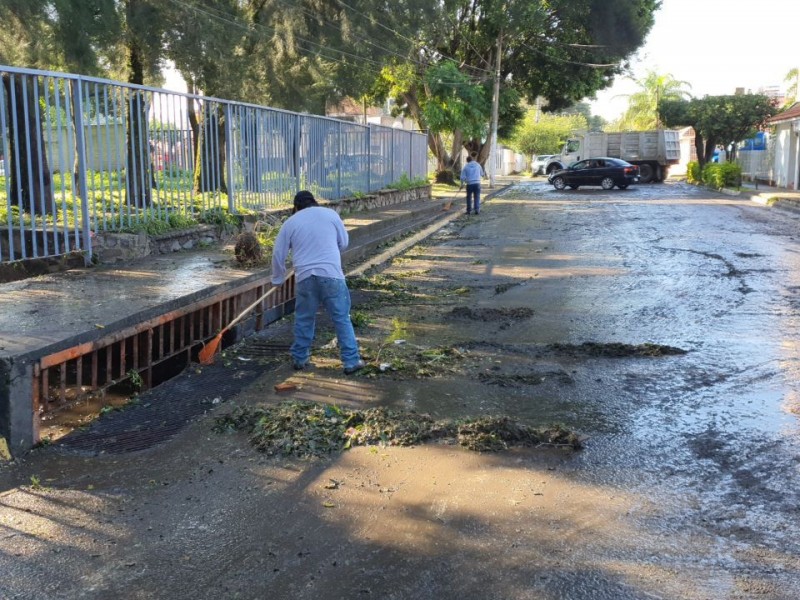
5	454
307	429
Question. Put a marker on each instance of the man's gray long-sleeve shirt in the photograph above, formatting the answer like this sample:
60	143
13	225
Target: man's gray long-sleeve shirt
316	238
471	173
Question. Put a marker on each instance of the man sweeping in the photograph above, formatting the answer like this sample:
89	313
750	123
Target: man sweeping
316	237
471	176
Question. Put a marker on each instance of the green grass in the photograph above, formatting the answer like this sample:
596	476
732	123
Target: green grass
173	202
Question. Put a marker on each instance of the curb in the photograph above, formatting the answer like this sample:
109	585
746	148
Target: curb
405	244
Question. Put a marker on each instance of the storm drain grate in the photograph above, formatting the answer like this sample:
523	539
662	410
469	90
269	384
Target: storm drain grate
253	349
162	412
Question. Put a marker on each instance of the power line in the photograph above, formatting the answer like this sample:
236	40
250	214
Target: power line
227	18
231	20
400	35
571	62
336	27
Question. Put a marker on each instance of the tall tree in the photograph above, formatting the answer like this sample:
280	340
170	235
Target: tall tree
547	134
718	120
654	88
560	50
793	79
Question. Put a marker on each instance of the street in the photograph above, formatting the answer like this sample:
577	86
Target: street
660	322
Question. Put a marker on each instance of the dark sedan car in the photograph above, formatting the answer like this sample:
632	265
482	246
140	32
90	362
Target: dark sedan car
605	172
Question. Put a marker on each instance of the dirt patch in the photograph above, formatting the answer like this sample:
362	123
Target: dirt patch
307	429
504	287
515	380
615	349
491	314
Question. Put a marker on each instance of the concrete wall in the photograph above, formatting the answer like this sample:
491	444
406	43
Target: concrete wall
110	248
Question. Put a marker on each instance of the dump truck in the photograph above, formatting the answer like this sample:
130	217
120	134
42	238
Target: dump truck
653	151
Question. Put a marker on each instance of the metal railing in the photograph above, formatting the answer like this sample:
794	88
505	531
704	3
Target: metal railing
82	155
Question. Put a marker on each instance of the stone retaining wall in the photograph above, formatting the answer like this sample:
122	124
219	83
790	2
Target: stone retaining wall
109	247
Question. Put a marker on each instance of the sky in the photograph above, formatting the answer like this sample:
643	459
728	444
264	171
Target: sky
715	46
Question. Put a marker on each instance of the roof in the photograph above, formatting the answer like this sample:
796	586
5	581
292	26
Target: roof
790	114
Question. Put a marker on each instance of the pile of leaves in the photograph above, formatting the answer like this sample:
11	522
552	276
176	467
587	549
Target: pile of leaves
248	249
307	429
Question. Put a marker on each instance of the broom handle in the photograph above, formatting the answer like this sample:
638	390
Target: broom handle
256	303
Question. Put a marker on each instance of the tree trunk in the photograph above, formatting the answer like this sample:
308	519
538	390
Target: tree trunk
77	179
32	189
711	145
139	171
447	163
700	149
194	122
209	166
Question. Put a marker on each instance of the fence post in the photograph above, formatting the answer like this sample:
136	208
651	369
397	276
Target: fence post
411	156
77	102
369	159
391	156
297	147
229	159
339	161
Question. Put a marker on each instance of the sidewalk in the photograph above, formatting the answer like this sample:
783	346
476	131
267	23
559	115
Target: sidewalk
769	195
64	335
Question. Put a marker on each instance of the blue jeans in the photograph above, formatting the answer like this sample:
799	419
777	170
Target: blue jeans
474	191
335	297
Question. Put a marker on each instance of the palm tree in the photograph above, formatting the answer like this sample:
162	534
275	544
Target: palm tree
642	112
792	78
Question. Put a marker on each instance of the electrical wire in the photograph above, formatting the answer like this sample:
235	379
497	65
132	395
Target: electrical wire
400	35
571	62
230	19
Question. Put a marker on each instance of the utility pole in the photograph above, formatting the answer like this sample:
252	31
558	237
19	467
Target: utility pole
495	111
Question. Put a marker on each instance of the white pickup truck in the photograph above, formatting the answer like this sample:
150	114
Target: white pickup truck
653	151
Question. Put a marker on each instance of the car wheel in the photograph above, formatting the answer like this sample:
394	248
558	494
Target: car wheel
607	183
559	183
624	186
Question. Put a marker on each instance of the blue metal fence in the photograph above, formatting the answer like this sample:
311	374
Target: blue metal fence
83	155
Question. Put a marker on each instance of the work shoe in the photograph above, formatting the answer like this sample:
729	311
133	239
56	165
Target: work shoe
355	368
298	366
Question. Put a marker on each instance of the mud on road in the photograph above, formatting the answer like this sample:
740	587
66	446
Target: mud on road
660	322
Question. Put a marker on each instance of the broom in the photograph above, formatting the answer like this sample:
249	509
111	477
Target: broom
449	204
206	356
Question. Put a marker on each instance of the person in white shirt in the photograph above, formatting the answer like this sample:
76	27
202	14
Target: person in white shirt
316	237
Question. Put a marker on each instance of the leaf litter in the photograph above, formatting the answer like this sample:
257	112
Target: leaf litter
310	429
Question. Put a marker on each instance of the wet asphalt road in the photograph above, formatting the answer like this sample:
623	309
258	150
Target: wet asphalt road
686	490
714	435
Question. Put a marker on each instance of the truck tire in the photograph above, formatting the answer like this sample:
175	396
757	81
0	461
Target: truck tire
646	173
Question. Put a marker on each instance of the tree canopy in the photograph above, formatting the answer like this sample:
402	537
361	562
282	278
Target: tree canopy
654	89
437	60
560	50
793	79
545	133
718	120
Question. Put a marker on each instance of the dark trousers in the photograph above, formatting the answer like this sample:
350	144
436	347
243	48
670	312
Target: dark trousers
473	192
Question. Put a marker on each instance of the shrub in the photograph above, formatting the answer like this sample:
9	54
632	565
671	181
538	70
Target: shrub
720	175
406	183
693	173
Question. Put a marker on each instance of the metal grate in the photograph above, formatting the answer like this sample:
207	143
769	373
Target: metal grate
132	355
160	413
